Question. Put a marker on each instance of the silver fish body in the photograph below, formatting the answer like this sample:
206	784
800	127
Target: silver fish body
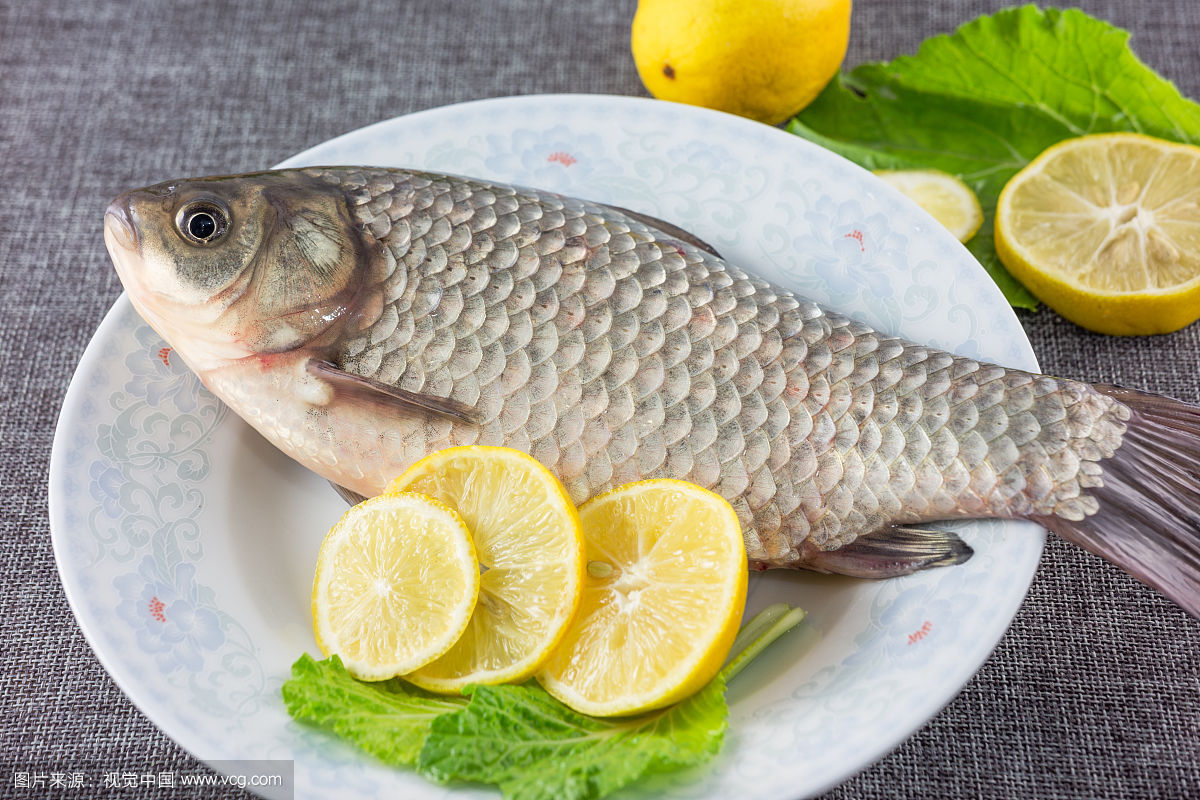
608	349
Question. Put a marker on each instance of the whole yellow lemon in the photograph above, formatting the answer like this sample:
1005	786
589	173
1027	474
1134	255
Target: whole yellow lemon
763	59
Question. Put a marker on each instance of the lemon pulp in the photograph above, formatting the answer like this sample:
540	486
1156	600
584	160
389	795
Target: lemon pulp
527	536
395	585
664	593
943	196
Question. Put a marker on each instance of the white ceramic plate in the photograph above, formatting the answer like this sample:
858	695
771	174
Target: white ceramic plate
186	543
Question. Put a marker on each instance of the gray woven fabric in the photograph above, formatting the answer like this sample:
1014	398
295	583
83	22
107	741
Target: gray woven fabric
1095	690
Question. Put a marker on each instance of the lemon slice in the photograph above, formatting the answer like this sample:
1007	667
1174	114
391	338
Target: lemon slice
1105	230
530	547
395	585
943	196
665	590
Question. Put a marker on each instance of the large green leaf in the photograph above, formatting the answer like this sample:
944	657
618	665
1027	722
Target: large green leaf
982	102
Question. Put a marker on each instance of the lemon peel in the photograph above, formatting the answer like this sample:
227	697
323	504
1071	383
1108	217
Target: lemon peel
762	59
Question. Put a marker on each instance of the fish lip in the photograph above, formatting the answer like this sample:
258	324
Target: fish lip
118	224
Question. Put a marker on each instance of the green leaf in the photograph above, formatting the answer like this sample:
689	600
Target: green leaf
982	102
519	737
389	719
535	748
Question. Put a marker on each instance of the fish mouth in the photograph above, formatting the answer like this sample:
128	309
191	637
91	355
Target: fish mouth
124	248
123	243
119	229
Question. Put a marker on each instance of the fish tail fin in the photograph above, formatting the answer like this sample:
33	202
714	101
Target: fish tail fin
1148	522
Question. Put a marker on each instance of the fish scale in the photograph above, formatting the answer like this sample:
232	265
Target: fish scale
613	353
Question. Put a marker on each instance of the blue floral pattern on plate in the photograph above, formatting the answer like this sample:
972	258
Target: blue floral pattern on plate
167	614
165	509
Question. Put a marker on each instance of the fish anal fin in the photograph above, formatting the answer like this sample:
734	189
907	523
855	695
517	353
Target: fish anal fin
672	230
367	389
898	550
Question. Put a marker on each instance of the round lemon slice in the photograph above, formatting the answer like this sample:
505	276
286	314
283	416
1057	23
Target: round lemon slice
665	591
943	196
1105	230
530	548
395	585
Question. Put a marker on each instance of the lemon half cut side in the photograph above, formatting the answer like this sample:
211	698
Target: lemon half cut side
1105	230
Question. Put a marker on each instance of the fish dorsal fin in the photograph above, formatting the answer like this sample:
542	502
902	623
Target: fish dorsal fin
356	386
671	230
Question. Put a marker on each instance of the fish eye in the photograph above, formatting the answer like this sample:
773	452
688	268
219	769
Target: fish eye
202	222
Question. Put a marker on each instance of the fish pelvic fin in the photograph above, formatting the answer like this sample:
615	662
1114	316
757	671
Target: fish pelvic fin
363	389
898	550
349	495
1148	520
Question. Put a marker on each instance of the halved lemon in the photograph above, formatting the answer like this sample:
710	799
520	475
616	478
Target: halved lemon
395	585
529	544
665	590
1105	230
943	196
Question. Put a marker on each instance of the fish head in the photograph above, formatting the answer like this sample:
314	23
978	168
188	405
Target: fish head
230	267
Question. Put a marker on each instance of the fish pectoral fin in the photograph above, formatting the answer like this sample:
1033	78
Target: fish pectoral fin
670	229
898	550
366	389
